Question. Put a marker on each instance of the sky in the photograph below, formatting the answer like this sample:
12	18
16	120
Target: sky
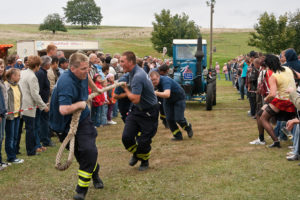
228	13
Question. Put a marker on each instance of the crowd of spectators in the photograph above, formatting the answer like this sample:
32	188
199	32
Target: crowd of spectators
271	84
25	93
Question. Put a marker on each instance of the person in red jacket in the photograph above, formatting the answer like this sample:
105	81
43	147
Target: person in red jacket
97	102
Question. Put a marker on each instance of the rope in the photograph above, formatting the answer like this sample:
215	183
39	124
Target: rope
72	132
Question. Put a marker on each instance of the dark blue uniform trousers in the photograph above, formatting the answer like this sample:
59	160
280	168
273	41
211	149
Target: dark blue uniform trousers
140	128
86	154
175	114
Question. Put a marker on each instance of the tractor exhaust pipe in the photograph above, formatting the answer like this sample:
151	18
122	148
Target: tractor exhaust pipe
199	55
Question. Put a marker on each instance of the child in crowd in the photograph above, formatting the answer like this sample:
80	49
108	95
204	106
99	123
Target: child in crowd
110	80
103	115
97	103
12	120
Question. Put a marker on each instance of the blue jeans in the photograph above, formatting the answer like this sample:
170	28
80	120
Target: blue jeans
43	129
11	138
30	135
96	115
242	86
219	77
277	130
104	114
115	110
296	132
226	77
2	128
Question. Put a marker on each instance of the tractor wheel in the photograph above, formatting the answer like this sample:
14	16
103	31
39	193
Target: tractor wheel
209	96
215	93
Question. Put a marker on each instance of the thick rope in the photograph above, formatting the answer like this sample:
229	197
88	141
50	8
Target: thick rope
72	132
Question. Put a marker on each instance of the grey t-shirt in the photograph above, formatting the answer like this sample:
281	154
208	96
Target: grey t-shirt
141	85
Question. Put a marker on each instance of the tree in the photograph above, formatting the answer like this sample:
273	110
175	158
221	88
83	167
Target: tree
83	12
294	27
271	35
53	22
168	27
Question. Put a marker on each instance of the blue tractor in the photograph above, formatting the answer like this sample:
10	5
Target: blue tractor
190	71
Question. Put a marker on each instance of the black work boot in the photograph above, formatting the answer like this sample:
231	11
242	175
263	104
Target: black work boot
98	183
79	196
275	144
80	193
144	165
165	123
189	131
177	137
133	160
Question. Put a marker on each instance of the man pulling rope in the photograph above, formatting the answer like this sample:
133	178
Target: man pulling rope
69	98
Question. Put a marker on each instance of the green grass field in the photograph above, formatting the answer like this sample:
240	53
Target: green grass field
217	163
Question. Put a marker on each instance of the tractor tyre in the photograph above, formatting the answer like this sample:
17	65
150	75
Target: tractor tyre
215	93
209	96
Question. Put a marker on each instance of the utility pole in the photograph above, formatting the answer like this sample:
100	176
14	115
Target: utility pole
212	5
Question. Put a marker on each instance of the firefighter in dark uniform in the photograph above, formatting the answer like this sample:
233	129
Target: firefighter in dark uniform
69	95
123	101
143	115
174	104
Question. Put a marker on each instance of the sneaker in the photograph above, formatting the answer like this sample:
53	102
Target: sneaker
5	164
257	142
111	122
290	153
292	158
17	161
291	147
144	165
1	168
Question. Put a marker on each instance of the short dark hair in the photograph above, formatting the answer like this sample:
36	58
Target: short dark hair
253	54
163	68
130	56
11	59
62	60
54	60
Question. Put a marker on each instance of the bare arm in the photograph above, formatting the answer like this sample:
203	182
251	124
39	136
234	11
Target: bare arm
134	98
165	94
69	109
120	96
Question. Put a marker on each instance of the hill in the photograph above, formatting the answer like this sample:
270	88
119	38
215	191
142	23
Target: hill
112	39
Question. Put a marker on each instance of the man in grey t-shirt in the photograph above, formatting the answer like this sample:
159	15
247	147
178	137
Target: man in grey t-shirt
142	120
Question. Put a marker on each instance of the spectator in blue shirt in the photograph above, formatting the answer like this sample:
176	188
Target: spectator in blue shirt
245	65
